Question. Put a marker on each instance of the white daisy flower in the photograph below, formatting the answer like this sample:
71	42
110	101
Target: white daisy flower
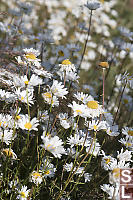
106	162
112	130
128	142
96	125
50	99
31	56
78	109
23	193
53	145
6	136
26	124
36	177
93	108
58	89
92	5
124	156
42	72
24	95
67	66
81	96
128	132
65	121
48	169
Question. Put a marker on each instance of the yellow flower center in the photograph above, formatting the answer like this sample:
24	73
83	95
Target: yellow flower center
28	125
22	98
107	160
92	104
66	62
125	101
128	144
17	117
30	56
20	31
78	111
102	1
23	194
48	95
104	64
36	175
130	132
47	172
8	153
116	172
95	127
61	53
127	49
26	82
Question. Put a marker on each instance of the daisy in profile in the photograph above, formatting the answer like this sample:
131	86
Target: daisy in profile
30	55
6	136
53	145
36	177
128	132
92	5
48	169
26	124
93	108
9	152
23	193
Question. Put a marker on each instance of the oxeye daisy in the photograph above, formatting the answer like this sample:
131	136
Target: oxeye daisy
25	96
30	55
128	132
93	108
96	125
53	145
23	193
92	5
36	177
62	53
58	89
127	142
78	110
50	99
26	124
67	66
6	136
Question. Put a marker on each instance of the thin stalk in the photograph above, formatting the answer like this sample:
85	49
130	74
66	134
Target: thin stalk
82	57
119	103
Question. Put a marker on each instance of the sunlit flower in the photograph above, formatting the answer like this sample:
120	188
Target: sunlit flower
58	89
26	124
53	145
78	110
23	193
6	136
128	132
36	177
